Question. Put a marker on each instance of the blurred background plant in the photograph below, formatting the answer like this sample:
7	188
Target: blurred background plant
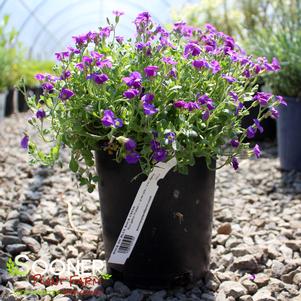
270	28
14	64
8	55
281	38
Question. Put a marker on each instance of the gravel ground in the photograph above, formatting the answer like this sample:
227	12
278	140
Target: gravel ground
256	237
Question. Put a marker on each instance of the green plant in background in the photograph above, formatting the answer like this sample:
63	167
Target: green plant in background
8	55
235	18
29	68
281	37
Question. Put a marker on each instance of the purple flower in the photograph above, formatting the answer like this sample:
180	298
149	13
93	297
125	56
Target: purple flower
24	141
215	66
274	113
117	13
65	74
251	132
79	66
159	154
192	106
180	104
210	28
130	144
173	72
148	98
132	158
118	123
229	42
229	78
134	80
238	108
105	32
235	163
200	64
130	93
192	48
73	50
205	115
62	55
151	70
87	60
104	63
170	137
154	144
98	78
65	94
258	125
96	55
149	109
119	39
247	73
40	114
178	26
39	76
233	95
168	60
234	143
81	39
108	118
281	100
143	19
262	98
48	87
275	64
256	151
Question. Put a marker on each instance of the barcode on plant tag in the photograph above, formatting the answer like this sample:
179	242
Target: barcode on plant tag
126	243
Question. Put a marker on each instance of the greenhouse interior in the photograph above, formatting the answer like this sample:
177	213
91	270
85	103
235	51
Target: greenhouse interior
150	150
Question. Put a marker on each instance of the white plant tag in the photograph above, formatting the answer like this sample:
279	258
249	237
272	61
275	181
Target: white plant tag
138	213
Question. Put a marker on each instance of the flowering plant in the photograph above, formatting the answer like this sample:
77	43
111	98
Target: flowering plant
166	94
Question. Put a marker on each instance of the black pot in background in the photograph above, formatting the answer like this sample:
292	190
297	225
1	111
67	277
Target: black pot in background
268	124
9	105
169	251
289	134
38	91
22	104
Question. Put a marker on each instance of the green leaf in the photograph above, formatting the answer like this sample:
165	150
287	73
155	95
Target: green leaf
73	165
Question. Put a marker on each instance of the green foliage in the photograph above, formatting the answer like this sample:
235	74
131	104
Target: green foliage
29	68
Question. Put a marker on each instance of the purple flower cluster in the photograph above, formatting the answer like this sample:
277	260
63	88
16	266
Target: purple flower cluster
134	80
132	156
159	153
65	94
98	78
148	107
109	120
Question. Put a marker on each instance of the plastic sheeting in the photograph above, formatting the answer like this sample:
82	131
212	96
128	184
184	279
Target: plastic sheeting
46	26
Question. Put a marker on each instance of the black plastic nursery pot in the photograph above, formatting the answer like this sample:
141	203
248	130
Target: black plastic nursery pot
173	247
9	104
289	134
2	103
269	124
22	104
